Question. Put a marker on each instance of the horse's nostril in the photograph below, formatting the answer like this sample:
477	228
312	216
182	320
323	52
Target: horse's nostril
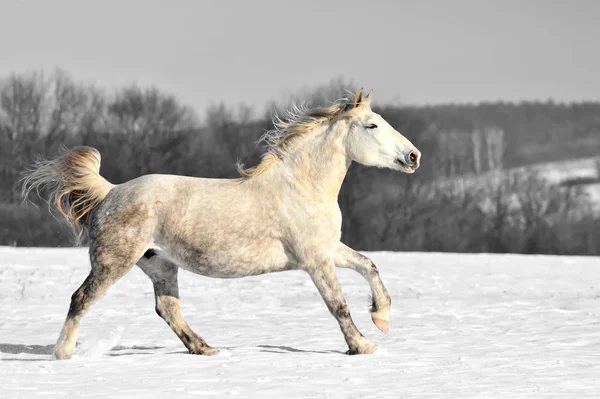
412	157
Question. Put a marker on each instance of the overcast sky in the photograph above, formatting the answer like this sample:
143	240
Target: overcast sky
253	51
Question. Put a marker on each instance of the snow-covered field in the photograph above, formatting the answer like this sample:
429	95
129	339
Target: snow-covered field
500	326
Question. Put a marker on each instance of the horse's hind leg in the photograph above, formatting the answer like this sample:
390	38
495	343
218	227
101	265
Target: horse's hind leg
163	274
107	268
115	246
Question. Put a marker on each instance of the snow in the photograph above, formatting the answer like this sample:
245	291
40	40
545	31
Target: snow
558	172
462	326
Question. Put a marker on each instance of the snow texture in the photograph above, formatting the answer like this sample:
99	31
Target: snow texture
462	326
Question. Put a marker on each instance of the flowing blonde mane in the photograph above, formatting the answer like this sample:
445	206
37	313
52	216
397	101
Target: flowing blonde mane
296	122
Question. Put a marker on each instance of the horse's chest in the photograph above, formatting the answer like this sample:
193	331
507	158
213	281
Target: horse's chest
322	226
328	219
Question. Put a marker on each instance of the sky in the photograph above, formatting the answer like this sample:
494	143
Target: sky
253	52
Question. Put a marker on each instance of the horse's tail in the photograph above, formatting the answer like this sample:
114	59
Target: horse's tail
74	184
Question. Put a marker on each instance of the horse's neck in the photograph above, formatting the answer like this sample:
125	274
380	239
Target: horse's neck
318	165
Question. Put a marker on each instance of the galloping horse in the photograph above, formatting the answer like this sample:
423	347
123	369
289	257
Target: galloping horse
280	215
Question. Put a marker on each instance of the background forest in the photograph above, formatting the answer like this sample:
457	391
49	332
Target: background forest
495	177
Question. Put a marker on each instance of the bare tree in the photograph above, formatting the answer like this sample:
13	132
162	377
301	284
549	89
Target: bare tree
477	144
34	104
494	140
68	104
322	95
95	116
22	104
138	111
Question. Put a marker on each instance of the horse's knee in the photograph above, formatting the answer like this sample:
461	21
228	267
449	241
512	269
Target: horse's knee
371	267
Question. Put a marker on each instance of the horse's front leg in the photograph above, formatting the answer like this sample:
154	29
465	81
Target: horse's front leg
324	277
380	308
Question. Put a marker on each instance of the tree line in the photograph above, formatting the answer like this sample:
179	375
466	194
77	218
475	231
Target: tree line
463	198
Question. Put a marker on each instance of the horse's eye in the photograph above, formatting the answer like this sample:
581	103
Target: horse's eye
372	126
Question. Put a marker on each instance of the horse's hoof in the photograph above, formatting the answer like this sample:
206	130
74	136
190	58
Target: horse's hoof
211	352
205	351
365	349
383	325
61	355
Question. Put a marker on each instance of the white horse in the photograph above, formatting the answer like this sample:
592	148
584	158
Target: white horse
280	215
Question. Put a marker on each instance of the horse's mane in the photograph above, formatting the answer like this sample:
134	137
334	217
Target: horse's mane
295	123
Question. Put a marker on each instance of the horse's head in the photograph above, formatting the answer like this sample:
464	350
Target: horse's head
374	142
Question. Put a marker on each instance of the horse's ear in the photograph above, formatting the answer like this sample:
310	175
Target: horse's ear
358	99
367	100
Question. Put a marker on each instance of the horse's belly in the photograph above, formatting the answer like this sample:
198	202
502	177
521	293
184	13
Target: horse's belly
235	261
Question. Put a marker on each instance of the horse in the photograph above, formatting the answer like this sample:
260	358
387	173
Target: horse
282	214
